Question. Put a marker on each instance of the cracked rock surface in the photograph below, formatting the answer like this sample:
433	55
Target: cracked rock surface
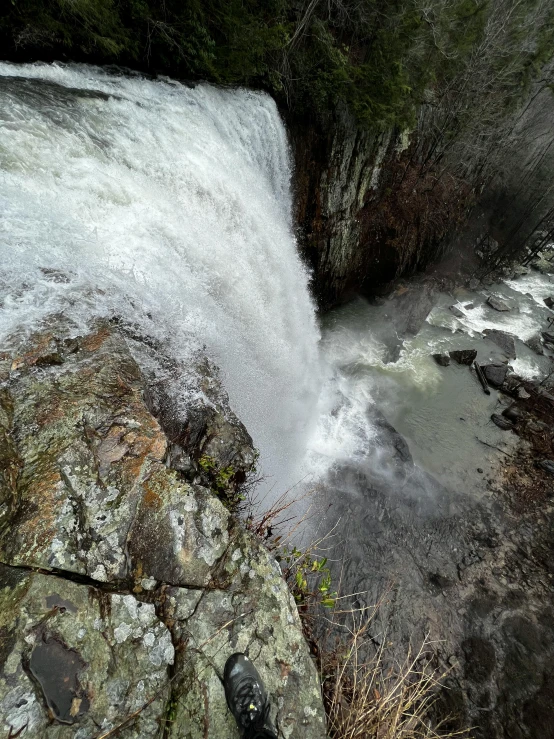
125	584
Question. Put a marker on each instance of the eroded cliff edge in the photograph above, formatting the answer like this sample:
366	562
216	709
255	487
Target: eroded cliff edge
125	582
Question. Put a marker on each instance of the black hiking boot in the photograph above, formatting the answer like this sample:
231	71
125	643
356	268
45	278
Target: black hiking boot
246	698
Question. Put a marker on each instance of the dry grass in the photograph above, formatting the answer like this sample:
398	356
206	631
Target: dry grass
377	698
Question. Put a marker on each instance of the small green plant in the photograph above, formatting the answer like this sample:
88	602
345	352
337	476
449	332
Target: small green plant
309	577
221	481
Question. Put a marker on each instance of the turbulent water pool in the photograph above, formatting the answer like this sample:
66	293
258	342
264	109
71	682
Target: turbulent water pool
442	412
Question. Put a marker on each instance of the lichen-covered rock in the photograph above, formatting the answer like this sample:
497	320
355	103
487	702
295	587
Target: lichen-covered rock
208	442
94	495
125	583
178	534
253	613
76	661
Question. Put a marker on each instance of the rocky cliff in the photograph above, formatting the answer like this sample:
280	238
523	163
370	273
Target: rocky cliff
367	212
337	172
126	583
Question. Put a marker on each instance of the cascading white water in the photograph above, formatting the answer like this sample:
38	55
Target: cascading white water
170	206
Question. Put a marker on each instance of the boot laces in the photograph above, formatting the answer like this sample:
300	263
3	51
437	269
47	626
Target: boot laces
250	705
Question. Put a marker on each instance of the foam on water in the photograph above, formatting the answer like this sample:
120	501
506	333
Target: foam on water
169	206
537	285
523	321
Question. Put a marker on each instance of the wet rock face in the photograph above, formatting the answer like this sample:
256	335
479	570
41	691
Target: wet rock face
357	211
504	340
337	168
107	555
463	356
500	305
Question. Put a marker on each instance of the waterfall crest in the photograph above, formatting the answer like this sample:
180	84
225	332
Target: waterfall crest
169	206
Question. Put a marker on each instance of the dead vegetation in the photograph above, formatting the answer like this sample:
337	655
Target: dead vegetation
374	699
418	208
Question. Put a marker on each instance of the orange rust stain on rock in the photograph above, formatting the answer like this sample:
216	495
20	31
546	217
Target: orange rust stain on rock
92	342
123	385
38	530
285	669
158	447
130	468
40	345
50	414
151	499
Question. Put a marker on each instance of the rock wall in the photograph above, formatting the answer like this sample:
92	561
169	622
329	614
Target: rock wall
126	584
336	177
368	210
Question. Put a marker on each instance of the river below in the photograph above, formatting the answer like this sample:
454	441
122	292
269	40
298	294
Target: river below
419	511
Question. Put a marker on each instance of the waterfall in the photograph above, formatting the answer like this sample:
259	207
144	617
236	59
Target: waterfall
170	206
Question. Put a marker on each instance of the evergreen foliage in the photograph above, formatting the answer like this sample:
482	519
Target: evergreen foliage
379	57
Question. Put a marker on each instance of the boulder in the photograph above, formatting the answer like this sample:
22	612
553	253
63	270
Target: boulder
456	311
495	373
504	340
549	302
463	356
535	343
442	359
497	303
513	413
469	306
511	384
388	437
118	571
502	422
